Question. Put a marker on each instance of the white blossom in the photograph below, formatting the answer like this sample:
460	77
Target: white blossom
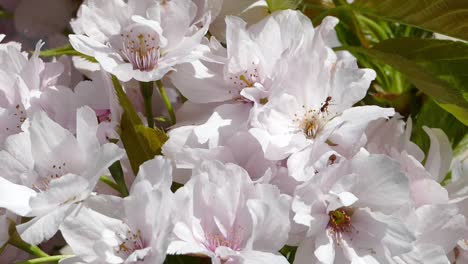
142	39
226	217
47	171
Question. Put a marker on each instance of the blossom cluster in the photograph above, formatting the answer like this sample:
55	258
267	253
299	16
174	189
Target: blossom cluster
271	148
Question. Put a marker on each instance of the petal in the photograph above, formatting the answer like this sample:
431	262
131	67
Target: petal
440	154
85	229
376	231
305	253
157	171
86	129
325	248
201	82
65	190
262	211
378	183
92	21
355	121
88	46
15	197
42	228
103	159
260	257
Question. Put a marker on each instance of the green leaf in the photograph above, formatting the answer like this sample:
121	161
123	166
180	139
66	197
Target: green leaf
436	67
289	253
460	113
4	14
462	146
141	143
449	17
433	116
119	178
275	5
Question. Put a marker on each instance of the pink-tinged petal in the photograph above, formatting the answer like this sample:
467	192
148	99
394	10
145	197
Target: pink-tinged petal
428	191
440	154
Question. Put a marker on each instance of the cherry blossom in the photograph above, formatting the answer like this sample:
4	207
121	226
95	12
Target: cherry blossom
313	101
23	80
229	132
137	233
348	212
47	171
143	40
233	228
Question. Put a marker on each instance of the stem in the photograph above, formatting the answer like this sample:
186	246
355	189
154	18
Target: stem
118	175
16	241
314	6
110	183
378	31
45	259
358	29
3	248
340	2
146	89
398	82
167	102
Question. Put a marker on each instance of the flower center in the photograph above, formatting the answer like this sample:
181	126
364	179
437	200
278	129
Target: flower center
244	79
55	171
340	221
131	243
232	241
313	120
103	115
311	128
141	47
